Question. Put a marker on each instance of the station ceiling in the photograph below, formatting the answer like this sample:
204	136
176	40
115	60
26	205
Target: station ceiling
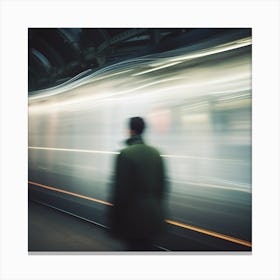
58	54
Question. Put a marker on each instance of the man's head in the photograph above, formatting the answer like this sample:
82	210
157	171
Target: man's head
136	126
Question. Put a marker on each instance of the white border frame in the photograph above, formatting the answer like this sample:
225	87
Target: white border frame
262	16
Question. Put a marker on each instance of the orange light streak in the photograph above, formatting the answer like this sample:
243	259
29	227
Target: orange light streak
70	193
211	233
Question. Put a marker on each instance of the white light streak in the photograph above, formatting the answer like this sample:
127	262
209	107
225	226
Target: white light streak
218	49
214	186
115	153
157	68
73	150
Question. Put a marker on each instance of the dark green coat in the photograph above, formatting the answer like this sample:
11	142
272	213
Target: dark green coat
138	191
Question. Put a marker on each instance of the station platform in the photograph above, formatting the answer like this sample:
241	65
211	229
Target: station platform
50	230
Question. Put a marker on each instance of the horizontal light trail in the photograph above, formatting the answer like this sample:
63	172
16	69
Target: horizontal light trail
211	233
245	189
70	193
204	158
234	188
157	68
182	225
116	153
73	150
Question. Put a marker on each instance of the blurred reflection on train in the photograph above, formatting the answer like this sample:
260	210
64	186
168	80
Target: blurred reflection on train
197	103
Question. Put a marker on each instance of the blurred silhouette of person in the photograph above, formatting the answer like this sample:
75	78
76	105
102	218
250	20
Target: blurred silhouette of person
138	212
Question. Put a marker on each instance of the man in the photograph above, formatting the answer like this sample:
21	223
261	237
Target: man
137	215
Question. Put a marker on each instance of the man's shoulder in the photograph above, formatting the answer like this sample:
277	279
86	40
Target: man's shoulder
138	149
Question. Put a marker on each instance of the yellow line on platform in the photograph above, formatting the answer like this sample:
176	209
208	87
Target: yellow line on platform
70	193
179	224
211	233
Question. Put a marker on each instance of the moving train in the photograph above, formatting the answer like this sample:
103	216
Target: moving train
197	103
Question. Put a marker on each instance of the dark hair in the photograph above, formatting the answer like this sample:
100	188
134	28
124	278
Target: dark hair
137	124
